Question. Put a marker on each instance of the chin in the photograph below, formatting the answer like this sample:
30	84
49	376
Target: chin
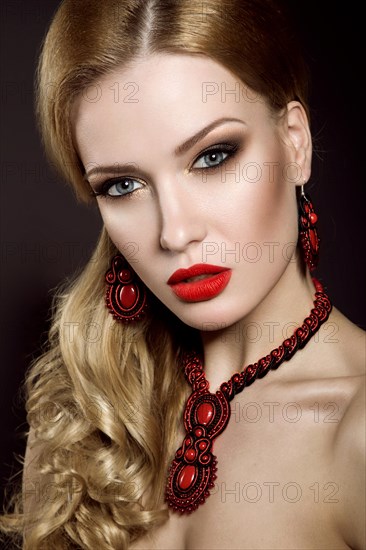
210	316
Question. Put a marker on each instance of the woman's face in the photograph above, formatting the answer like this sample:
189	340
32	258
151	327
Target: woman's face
194	170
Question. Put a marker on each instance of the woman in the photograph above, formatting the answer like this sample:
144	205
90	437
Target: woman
188	124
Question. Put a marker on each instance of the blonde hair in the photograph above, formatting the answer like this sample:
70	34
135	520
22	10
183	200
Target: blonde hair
105	399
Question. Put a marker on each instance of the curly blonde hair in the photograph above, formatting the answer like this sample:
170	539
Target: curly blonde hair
104	400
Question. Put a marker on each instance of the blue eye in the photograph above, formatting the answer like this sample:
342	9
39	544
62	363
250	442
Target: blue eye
118	187
123	187
214	157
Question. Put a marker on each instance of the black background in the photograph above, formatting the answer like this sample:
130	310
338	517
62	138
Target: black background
46	235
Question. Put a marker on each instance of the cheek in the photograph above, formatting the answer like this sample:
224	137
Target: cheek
133	230
119	226
261	207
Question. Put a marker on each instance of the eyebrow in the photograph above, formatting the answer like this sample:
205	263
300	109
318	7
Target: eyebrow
181	149
178	151
115	168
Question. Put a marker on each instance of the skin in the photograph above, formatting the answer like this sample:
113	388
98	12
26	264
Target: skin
177	216
174	217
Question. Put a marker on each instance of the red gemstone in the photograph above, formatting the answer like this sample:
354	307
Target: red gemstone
202	446
187	476
205	413
190	454
313	240
128	296
313	218
125	275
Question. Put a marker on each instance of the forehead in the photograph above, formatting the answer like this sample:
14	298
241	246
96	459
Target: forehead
167	94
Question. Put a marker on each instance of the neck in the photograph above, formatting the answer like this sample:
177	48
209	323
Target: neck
273	320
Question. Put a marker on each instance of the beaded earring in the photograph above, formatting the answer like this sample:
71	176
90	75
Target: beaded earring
126	294
307	231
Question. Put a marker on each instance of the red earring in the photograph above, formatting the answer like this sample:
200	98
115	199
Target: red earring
307	231
125	295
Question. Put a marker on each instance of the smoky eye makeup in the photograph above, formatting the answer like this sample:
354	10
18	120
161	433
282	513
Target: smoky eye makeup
117	187
231	143
215	156
209	159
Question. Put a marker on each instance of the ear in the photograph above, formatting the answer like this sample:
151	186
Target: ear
299	139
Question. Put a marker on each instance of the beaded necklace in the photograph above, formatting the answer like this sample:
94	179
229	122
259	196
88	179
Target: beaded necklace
206	415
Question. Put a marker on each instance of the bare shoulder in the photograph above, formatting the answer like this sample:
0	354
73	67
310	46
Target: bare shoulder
350	448
352	339
352	352
350	440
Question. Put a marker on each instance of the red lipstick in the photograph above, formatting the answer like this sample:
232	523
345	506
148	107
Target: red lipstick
211	282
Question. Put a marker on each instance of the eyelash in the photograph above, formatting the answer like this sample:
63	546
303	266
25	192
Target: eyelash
229	148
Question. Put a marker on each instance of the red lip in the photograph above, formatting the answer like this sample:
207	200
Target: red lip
203	289
194	271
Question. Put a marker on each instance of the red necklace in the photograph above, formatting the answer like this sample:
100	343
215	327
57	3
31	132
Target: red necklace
206	415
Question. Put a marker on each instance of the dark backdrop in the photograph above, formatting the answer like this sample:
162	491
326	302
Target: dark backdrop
46	235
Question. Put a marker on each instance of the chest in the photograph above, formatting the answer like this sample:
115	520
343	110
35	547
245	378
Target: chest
276	486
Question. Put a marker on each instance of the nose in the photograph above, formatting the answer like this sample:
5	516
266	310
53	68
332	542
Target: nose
182	221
